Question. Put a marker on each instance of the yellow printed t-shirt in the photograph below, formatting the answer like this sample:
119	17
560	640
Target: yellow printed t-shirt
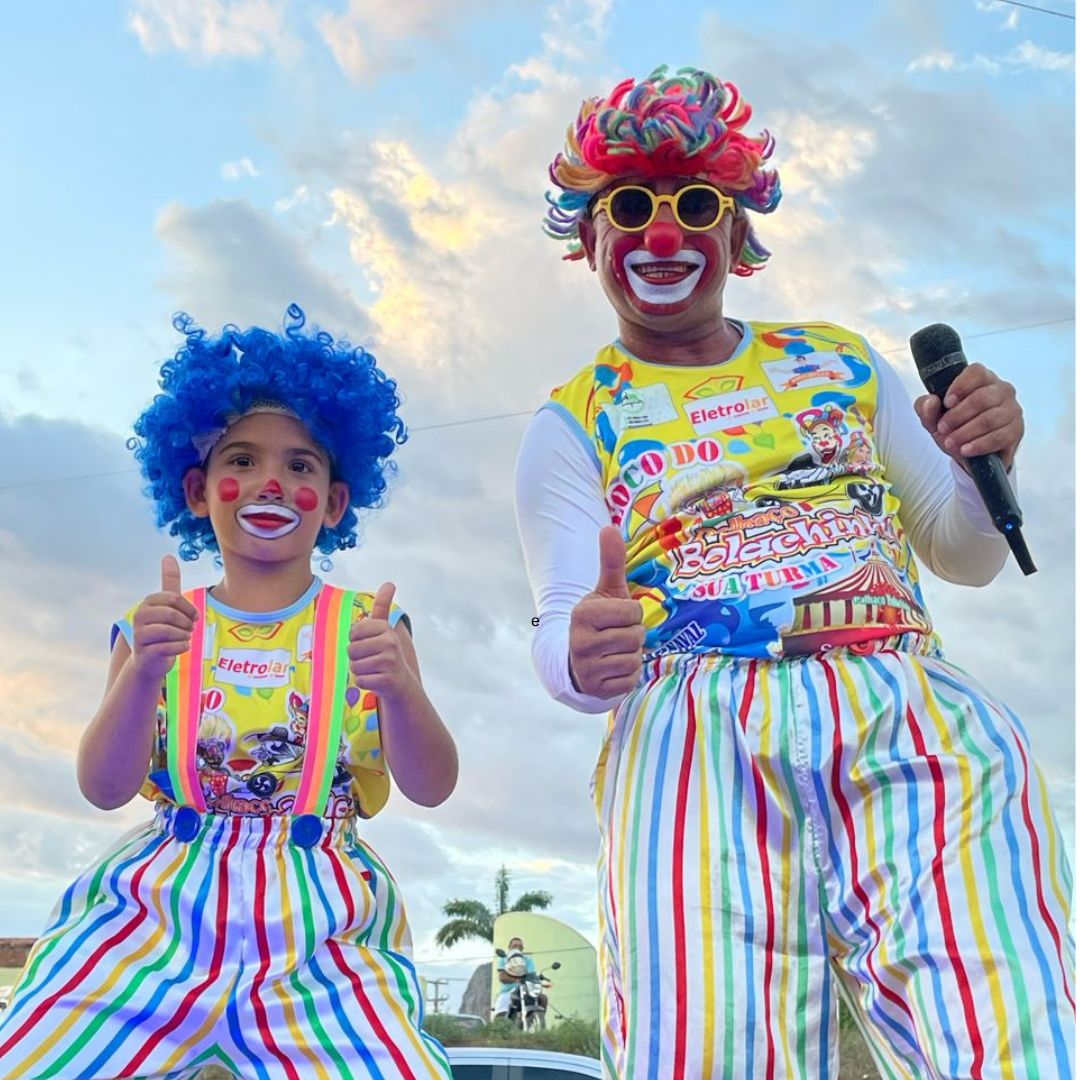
256	686
755	509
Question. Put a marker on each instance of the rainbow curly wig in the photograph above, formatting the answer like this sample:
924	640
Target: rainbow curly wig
335	389
687	125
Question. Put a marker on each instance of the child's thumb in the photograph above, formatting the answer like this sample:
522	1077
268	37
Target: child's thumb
170	574
380	607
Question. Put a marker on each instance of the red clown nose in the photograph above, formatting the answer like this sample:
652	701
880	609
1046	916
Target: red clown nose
663	239
272	487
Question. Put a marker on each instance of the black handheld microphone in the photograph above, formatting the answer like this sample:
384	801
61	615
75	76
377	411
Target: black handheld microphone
939	356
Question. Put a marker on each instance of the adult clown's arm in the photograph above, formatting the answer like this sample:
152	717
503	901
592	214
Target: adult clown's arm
940	507
560	512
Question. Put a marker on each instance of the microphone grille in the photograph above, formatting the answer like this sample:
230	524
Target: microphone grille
933	342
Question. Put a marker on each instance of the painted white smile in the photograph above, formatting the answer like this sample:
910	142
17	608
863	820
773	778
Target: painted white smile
267	522
663	281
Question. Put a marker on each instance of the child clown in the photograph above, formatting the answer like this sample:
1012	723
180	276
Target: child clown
249	924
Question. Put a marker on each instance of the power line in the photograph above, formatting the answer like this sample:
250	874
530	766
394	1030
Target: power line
1026	326
473	420
66	479
555	952
496	416
490	956
994	333
1044	11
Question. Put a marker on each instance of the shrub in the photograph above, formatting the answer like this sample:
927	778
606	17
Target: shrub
569	1037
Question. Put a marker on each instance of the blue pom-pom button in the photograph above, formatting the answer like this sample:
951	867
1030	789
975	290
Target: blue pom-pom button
186	823
306	830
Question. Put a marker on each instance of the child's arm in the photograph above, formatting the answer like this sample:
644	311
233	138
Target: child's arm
116	747
419	751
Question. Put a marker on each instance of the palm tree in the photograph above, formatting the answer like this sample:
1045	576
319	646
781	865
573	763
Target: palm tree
473	919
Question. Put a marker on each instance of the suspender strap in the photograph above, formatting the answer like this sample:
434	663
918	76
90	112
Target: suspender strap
326	708
183	700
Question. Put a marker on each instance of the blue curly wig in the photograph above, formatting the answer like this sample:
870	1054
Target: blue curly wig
336	390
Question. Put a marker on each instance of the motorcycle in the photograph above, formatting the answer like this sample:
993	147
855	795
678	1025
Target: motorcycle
528	1003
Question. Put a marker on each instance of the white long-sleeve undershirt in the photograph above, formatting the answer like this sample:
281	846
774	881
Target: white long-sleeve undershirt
558	498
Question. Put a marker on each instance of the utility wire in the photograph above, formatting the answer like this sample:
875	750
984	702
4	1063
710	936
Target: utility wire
994	333
66	479
473	420
485	419
556	953
1044	11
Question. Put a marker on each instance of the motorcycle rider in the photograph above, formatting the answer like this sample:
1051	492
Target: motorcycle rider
515	947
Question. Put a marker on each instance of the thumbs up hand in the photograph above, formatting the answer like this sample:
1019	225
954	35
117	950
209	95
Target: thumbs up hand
376	658
162	625
607	631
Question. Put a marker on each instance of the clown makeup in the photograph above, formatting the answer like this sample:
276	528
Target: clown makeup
663	281
270	477
269	518
825	442
267	521
268	489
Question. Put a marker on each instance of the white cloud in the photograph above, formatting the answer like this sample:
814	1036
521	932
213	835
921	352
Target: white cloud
1027	56
936	59
235	170
942	60
1011	12
371	37
210	29
344	34
230	262
818	154
299	196
575	28
419	241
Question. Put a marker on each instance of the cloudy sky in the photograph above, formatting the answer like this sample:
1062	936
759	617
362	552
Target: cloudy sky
383	164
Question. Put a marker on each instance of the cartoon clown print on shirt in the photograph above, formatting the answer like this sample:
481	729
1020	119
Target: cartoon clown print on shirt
833	450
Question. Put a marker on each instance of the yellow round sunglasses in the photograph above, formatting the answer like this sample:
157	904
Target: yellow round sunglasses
697	207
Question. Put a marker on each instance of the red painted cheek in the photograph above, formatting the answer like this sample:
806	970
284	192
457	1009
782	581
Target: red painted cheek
707	245
617	252
306	499
228	489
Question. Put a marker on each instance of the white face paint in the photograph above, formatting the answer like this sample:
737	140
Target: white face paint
267	522
663	281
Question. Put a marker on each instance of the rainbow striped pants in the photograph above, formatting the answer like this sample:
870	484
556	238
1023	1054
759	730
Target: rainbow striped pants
237	948
778	834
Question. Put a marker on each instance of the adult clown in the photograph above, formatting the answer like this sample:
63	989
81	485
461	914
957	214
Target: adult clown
798	797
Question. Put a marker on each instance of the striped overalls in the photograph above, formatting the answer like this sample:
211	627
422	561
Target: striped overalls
868	822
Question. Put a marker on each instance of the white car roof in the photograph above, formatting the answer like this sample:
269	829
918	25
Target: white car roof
509	1055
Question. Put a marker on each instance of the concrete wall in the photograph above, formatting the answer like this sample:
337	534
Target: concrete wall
14	951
